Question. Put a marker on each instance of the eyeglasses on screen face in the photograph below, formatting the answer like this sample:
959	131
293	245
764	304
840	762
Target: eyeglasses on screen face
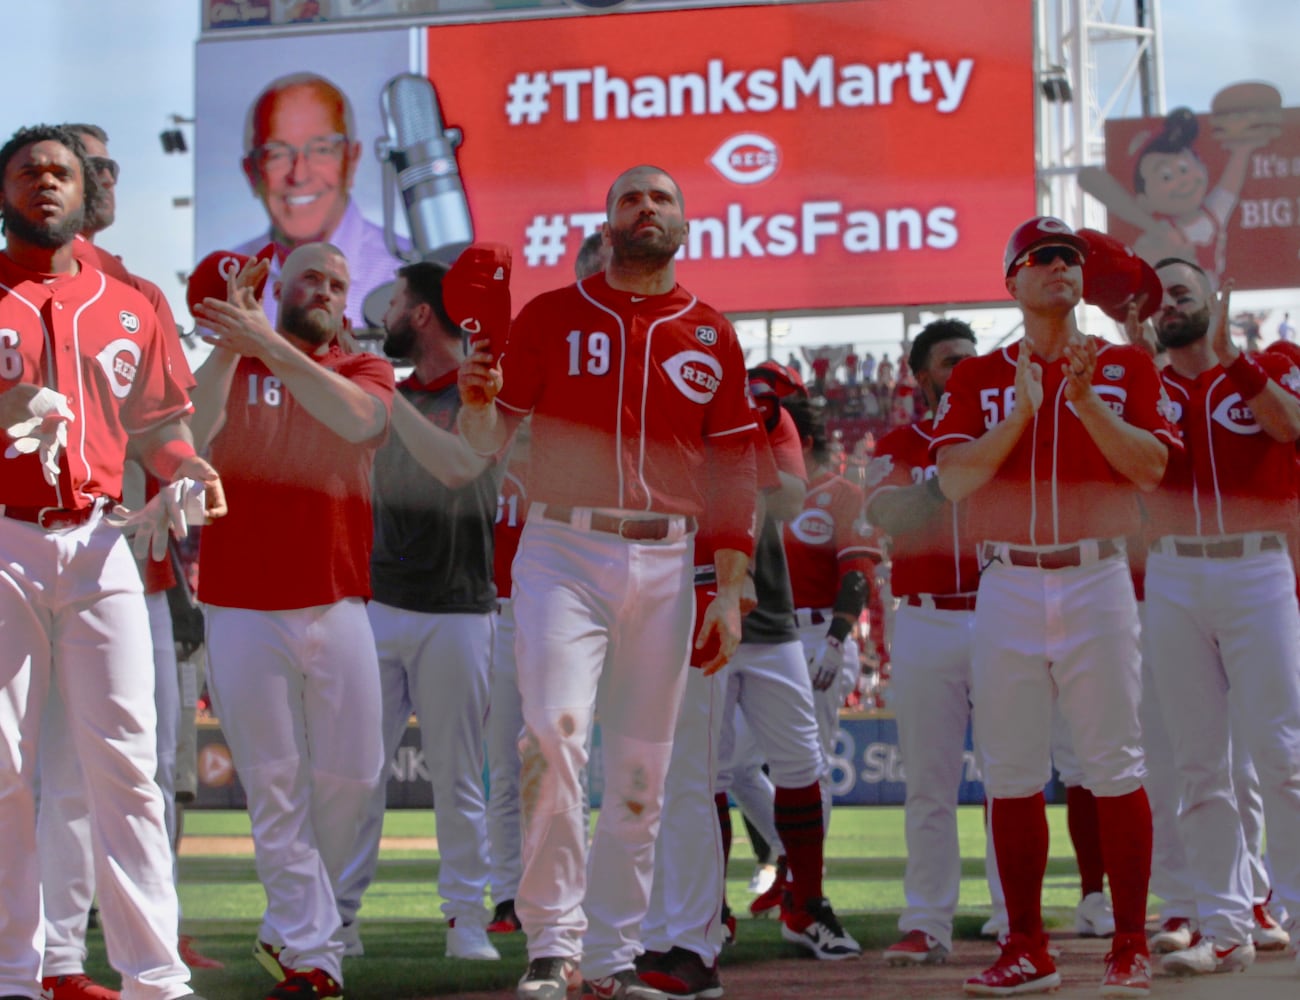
103	165
1044	256
278	158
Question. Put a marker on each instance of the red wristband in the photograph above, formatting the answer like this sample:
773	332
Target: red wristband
167	457
1247	375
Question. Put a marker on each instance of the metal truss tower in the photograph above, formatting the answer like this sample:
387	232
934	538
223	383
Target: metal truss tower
1095	59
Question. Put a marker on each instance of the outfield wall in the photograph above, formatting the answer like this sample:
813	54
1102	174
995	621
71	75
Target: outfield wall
866	770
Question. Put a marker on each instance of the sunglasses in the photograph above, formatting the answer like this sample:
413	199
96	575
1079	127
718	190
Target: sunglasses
1043	256
104	164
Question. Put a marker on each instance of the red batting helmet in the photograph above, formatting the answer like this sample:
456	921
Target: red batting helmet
1114	276
1040	231
209	278
783	380
476	293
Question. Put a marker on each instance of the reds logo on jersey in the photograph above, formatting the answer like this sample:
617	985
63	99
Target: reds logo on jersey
120	360
129	320
695	374
1112	395
813	527
1235	415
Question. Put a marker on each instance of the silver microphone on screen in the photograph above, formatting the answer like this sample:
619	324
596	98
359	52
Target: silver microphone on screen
419	154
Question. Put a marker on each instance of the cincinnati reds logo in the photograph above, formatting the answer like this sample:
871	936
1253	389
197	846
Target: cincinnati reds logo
695	374
813	527
228	267
216	768
1113	396
706	335
129	320
1050	225
1235	415
120	360
747	158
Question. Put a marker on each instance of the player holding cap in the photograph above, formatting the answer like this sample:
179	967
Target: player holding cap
641	426
83	370
291	658
1051	439
1221	616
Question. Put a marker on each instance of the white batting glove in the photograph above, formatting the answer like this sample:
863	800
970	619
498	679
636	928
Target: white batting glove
177	506
44	432
825	664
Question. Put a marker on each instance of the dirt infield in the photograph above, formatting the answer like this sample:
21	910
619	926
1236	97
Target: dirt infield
1273	977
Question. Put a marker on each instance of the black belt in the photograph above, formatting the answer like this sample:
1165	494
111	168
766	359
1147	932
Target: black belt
1230	548
51	518
634	529
1064	558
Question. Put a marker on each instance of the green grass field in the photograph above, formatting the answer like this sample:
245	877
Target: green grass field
404	933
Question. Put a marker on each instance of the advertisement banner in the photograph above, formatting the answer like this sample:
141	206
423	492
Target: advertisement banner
831	155
1221	189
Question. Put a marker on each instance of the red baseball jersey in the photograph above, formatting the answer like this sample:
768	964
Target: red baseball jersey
940	557
97	341
1231	477
625	391
299	531
1055	487
827	540
512	512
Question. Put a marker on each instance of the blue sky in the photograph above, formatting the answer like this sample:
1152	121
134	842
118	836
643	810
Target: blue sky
129	64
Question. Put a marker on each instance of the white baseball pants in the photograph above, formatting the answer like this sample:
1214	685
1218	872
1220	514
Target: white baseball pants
505	726
437	666
741	775
826	704
73	616
297	693
1225	656
602	624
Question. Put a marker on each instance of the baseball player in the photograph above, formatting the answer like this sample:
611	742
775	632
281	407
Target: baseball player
1221	611
933	573
292	667
640	427
1051	439
85	369
434	606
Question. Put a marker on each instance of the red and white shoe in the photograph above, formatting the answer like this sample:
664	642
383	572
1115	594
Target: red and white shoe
770	900
1205	956
916	948
1023	967
1128	968
75	987
1267	933
1174	934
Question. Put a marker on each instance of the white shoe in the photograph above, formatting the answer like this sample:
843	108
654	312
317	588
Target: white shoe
764	876
1267	933
1206	956
1175	934
1093	916
350	935
470	941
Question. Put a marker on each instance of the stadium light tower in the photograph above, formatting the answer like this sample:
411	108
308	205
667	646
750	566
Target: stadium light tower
1095	59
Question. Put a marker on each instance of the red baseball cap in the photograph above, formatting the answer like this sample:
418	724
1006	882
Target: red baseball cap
476	293
1114	276
782	379
209	278
1040	231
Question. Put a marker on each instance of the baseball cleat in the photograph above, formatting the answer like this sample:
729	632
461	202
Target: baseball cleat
1205	956
470	942
194	958
771	899
1174	934
307	984
764	876
1023	967
1093	916
75	987
680	974
548	978
622	985
1267	933
268	957
1128	968
916	948
504	920
819	930
728	925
